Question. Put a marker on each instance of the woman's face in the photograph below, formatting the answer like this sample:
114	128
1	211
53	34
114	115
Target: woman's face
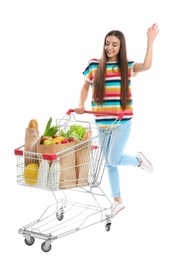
112	47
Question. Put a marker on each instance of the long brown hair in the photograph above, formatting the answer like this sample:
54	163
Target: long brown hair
99	79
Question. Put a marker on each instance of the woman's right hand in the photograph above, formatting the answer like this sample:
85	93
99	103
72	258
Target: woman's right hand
79	110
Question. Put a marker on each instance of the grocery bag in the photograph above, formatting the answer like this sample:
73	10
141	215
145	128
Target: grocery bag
82	162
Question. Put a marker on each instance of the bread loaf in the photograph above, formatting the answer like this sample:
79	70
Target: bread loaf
31	137
33	124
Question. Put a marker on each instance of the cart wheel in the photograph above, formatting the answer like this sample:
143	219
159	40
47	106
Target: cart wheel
59	216
29	242
45	248
108	226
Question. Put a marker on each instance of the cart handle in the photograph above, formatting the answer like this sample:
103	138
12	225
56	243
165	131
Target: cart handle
119	115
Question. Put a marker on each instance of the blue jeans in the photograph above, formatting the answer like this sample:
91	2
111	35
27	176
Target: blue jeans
116	157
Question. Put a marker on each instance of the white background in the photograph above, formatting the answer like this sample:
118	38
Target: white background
44	47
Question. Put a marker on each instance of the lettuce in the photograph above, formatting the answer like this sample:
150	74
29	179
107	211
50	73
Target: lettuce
75	131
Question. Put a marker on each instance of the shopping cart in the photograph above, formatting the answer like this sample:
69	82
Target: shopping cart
75	172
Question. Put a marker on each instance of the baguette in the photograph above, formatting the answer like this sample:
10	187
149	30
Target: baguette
33	124
31	137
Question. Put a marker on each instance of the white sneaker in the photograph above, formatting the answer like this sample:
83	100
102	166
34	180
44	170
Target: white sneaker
116	207
145	164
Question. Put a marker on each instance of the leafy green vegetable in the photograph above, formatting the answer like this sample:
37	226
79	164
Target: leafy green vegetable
50	130
48	125
75	131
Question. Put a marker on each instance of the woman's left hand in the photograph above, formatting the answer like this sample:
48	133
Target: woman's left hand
152	32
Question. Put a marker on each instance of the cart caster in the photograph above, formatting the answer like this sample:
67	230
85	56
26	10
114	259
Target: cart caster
60	214
45	248
108	227
30	241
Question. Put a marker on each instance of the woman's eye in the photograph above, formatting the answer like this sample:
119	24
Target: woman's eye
114	45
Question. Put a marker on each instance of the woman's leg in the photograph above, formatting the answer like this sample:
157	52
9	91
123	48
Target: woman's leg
117	158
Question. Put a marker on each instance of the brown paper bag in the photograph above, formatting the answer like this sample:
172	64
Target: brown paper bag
31	139
66	160
82	162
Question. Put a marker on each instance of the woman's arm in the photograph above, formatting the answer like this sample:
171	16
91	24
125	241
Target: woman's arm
151	35
83	96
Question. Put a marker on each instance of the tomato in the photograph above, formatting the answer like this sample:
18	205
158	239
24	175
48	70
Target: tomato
70	139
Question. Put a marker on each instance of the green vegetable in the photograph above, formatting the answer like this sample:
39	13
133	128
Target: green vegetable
75	131
50	130
48	126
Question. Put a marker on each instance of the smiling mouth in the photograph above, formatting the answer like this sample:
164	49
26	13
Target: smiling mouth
109	53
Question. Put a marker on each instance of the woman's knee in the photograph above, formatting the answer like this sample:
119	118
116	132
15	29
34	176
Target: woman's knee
115	160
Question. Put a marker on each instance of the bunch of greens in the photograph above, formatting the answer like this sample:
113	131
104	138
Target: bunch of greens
75	131
50	130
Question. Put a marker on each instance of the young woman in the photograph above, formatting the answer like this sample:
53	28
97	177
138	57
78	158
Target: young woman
110	79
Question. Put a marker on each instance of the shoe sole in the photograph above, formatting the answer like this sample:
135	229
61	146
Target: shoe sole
117	212
147	161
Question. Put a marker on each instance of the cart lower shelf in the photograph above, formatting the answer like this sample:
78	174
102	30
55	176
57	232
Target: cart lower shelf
66	217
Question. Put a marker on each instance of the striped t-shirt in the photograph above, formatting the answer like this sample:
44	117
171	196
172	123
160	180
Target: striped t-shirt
112	92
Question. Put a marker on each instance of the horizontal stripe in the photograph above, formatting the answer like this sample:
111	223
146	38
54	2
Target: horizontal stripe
113	102
112	94
97	116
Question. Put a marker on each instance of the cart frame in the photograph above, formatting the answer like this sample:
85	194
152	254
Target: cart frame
78	215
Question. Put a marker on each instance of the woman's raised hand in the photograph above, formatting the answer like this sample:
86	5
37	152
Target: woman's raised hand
152	32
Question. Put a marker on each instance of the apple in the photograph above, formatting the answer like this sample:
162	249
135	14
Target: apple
47	142
64	141
46	138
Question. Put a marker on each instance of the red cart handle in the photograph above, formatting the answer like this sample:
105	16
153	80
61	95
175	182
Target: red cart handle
119	115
